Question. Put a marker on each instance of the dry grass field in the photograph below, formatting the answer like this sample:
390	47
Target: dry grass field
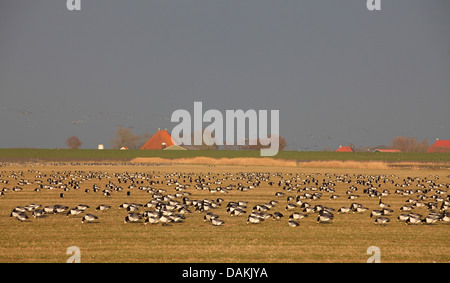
109	239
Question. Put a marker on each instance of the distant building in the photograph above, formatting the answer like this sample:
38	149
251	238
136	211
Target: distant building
191	147
344	149
387	150
160	140
100	147
175	147
442	146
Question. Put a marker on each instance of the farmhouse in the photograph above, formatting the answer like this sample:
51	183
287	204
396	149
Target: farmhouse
160	140
344	149
387	150
442	146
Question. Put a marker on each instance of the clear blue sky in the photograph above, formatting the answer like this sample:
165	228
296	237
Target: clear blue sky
337	72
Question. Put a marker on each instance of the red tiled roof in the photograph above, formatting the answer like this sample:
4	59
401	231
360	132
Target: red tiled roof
156	141
440	146
344	149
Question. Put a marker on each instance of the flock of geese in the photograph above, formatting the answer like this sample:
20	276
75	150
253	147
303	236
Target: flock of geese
297	196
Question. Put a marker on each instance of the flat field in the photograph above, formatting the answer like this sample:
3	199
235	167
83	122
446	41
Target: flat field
26	154
109	239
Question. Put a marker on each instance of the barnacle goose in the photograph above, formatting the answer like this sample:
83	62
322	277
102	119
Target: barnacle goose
382	204
74	211
325	216
376	212
297	215
209	216
277	215
151	220
344	210
22	216
38	213
381	220
103	207
291	206
164	219
253	219
402	217
132	217
89	218
217	222
413	220
431	219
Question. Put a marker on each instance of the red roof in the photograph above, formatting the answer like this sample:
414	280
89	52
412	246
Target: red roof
440	146
157	140
344	149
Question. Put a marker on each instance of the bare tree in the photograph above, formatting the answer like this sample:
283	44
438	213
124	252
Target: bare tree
281	145
425	145
409	144
208	140
400	143
73	142
125	138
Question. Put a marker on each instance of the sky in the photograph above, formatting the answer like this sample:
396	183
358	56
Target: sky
337	72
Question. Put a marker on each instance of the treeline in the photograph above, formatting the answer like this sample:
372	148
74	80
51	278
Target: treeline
124	137
409	144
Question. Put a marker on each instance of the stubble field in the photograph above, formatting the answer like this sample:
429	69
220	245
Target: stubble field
108	239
